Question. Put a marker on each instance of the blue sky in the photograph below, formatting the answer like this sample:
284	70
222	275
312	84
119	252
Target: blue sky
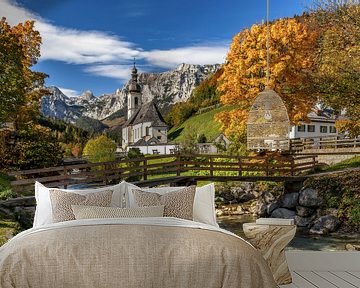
89	44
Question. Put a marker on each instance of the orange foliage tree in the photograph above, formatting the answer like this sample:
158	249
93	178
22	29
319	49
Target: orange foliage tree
20	87
292	45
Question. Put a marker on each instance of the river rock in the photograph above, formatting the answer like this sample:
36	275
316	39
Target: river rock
268	197
325	225
283	213
310	198
246	197
25	216
248	186
272	206
290	200
19	201
261	209
352	247
291	187
304	211
304	221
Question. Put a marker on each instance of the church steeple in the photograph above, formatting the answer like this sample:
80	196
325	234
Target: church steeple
134	86
134	96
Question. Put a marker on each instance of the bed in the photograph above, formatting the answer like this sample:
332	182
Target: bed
131	252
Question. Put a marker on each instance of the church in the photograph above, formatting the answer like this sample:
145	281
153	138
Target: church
145	126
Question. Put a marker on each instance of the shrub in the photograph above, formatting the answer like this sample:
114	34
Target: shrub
342	192
100	149
133	154
31	147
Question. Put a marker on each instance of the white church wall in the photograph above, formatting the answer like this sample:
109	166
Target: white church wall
160	133
313	130
156	149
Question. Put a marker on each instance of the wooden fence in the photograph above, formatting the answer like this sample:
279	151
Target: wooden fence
299	145
162	167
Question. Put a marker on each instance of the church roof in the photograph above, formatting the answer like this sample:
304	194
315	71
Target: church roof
147	113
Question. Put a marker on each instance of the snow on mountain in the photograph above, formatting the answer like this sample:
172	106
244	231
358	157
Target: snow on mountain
166	88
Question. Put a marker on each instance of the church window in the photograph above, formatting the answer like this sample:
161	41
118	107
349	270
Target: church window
147	131
136	102
159	137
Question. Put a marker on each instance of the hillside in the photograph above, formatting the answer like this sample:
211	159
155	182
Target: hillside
203	124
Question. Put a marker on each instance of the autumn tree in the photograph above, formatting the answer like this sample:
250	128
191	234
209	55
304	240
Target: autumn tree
100	149
292	44
207	94
179	112
20	87
338	59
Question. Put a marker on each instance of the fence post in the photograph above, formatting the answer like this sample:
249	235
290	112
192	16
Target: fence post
211	166
65	177
240	168
292	168
178	164
267	165
145	169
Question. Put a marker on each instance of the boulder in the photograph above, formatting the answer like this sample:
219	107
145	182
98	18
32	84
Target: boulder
325	225
291	186
310	198
272	206
304	211
268	197
261	208
246	197
283	213
25	216
19	201
304	221
290	200
248	186
352	247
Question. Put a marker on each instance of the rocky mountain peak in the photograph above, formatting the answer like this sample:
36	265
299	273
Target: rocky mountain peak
87	95
166	88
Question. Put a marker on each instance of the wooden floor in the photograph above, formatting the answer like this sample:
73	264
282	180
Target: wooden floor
312	269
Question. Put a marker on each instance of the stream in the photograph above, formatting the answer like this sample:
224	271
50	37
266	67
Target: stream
301	241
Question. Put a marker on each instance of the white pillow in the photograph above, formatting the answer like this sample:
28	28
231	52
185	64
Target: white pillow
96	212
43	212
204	202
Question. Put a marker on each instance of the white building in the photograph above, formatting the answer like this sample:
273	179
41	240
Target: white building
145	125
321	125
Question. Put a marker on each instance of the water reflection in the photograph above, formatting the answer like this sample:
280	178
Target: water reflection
300	242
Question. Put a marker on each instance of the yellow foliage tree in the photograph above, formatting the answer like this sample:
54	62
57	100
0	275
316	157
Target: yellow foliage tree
338	61
20	87
100	149
292	43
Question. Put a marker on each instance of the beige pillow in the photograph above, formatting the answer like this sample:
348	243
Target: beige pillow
177	204
93	212
61	202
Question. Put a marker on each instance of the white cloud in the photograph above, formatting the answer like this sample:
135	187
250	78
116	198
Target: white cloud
121	72
70	45
104	54
69	92
83	47
190	55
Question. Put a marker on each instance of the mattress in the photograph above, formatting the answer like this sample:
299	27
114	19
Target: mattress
137	252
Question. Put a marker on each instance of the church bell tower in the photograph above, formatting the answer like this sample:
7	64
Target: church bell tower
134	96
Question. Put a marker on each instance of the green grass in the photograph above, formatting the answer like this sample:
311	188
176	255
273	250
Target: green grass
349	163
203	124
7	229
5	187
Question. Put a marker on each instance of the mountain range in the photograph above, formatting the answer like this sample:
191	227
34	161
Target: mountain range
166	88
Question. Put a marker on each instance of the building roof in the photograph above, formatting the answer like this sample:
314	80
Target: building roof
142	142
147	113
325	115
